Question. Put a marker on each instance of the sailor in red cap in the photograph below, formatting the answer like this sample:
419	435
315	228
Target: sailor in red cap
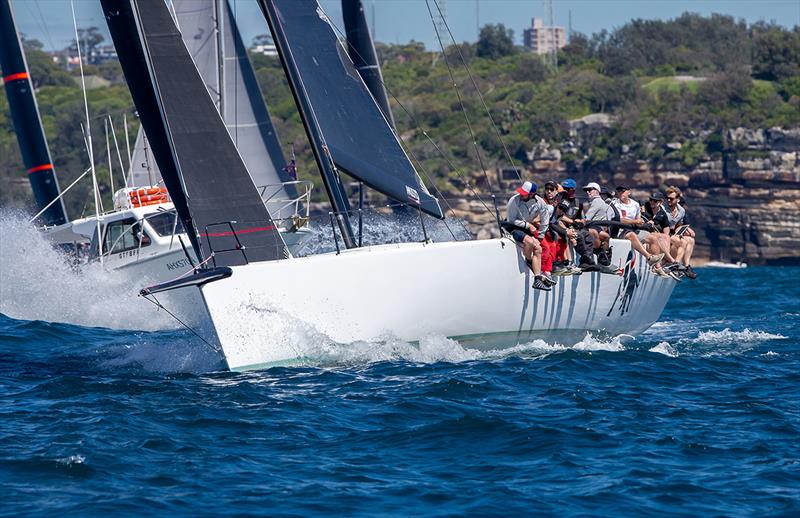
523	208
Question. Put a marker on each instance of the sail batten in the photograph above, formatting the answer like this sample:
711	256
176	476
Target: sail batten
359	138
200	165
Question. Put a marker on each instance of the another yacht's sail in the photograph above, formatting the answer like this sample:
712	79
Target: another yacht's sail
362	52
144	170
207	179
233	86
27	123
358	137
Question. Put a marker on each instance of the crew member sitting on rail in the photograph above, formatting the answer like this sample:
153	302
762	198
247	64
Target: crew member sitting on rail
521	211
545	234
656	220
564	235
682	236
597	211
630	214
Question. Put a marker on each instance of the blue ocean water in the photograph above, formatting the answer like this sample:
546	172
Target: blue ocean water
701	415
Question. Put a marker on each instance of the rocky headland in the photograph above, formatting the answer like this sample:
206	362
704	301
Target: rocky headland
744	202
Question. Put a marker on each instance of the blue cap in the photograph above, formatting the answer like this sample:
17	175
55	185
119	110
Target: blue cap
569	183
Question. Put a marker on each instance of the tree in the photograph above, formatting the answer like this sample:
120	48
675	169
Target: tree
89	39
30	43
776	52
495	41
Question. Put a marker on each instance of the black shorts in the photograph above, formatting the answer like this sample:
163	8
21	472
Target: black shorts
519	235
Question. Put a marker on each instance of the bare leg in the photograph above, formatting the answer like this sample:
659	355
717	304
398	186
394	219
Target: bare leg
636	244
536	259
596	235
652	244
678	248
687	255
664	245
532	251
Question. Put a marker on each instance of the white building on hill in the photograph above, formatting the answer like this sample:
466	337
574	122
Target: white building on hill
543	40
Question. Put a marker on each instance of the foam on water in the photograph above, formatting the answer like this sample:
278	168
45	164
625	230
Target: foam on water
312	348
664	348
726	336
37	283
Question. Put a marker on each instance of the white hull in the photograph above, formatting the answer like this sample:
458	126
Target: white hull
161	261
186	304
478	292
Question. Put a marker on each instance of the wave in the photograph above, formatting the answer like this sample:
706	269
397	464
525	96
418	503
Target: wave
726	336
666	349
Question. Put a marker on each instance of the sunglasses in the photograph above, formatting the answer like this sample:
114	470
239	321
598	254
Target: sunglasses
549	188
672	198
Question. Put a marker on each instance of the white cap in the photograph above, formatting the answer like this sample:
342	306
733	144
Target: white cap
591	185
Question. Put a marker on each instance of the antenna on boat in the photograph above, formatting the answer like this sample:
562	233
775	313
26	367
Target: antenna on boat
88	136
119	155
108	153
127	146
147	159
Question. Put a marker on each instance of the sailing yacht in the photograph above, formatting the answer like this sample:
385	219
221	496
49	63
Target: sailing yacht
141	235
478	292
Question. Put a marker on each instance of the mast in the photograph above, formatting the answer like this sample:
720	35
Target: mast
361	49
27	122
330	175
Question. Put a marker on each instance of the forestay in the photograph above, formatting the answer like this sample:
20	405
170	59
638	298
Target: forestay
206	177
358	137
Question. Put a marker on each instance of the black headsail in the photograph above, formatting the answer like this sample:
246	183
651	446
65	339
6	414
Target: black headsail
206	178
362	52
357	136
27	123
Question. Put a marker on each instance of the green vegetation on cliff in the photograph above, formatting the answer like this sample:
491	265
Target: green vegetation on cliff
685	80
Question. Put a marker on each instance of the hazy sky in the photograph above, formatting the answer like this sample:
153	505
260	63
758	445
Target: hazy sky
50	21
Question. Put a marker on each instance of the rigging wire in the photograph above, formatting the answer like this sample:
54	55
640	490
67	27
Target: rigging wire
417	123
41	22
478	90
159	305
458	92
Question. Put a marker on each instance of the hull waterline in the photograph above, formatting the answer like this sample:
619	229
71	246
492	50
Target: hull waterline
478	292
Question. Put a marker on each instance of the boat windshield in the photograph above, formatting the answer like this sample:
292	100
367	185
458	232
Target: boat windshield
163	223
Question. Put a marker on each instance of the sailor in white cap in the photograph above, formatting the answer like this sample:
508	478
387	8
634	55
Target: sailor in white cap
597	211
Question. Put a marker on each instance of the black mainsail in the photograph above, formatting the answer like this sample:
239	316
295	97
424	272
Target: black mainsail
206	178
355	134
362	52
27	122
